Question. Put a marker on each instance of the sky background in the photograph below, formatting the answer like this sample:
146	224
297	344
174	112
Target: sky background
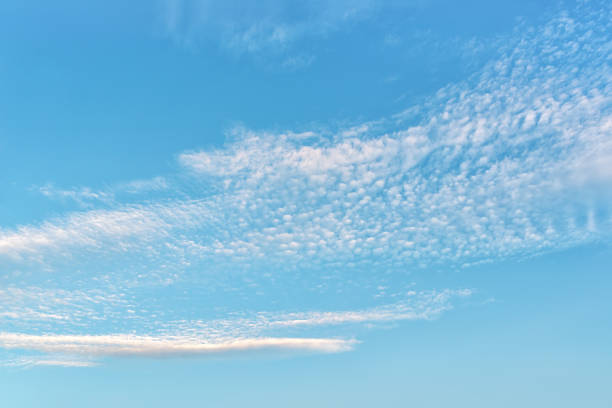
305	204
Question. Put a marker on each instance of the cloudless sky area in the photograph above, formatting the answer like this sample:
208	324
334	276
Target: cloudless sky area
325	203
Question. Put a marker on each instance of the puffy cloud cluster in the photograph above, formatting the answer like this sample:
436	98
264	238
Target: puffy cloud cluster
486	169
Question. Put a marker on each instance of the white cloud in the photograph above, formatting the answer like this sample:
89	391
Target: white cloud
80	229
490	169
30	362
486	169
147	346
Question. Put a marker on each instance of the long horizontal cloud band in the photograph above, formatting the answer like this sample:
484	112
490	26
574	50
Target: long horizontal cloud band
127	345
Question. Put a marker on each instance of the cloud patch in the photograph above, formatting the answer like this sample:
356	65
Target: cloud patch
484	170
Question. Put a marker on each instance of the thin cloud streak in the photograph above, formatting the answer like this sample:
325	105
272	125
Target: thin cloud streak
147	346
426	306
38	362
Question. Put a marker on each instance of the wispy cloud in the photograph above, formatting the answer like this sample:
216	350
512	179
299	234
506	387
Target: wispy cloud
260	331
34	306
268	26
88	197
23	308
141	186
31	362
274	32
83	196
425	306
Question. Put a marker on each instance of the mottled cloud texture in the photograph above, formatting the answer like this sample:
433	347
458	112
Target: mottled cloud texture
512	162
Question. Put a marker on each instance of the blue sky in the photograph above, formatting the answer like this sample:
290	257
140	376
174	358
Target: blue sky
324	204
